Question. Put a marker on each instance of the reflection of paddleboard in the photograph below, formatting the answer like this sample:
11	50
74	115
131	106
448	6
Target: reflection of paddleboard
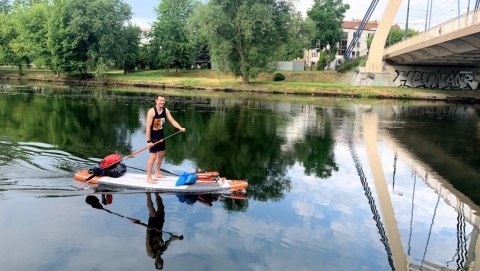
168	184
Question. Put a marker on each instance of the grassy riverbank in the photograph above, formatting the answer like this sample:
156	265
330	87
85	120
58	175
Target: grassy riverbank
326	83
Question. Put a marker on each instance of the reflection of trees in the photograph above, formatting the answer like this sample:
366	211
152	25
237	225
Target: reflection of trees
238	141
241	143
91	128
316	152
235	205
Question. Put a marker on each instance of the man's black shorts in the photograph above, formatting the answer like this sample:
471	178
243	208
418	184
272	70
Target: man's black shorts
157	147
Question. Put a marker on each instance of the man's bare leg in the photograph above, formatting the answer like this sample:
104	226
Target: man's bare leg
158	173
151	160
159	201
151	209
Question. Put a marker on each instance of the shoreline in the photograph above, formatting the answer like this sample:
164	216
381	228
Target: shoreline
452	96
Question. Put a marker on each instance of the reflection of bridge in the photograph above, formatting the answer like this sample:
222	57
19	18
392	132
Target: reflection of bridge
465	208
454	44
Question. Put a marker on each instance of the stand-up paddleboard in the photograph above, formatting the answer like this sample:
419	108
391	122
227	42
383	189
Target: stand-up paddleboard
168	184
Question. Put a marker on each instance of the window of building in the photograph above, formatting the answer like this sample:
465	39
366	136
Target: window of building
344	43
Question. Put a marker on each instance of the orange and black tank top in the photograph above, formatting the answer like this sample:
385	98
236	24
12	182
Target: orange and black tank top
156	127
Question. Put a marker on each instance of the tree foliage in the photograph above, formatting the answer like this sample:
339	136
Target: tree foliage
84	35
131	48
243	35
395	35
30	20
169	35
327	16
4	6
11	52
299	37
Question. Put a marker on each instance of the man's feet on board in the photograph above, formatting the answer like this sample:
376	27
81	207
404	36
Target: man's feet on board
159	175
152	181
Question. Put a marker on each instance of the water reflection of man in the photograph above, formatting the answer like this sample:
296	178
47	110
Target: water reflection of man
155	245
154	242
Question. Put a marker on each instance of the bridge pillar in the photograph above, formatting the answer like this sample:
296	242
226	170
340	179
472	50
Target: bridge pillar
375	57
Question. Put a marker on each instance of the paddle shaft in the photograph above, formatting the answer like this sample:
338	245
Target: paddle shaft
164	170
97	204
147	147
130	155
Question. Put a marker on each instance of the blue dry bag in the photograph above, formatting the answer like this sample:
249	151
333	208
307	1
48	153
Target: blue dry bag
186	179
188	199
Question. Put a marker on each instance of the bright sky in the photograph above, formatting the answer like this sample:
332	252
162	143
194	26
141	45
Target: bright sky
443	10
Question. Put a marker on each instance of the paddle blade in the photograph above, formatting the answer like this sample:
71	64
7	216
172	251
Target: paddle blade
94	202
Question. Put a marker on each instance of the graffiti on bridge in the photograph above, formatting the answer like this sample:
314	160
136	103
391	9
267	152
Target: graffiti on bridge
461	80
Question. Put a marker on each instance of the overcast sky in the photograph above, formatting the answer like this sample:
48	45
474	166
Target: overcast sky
443	10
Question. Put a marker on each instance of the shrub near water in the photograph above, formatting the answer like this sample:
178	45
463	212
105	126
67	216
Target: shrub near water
351	64
278	77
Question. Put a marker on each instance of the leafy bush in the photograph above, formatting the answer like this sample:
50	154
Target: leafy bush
351	64
322	61
278	77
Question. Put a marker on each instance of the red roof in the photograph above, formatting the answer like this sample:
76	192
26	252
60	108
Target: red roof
369	26
355	25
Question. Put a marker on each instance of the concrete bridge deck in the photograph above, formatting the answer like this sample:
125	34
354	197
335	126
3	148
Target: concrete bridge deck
453	43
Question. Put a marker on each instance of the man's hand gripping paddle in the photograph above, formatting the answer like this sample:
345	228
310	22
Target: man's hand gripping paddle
114	159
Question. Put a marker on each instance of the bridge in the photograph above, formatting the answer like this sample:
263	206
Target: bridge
453	45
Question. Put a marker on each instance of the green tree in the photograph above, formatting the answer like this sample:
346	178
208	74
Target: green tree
30	21
4	6
301	33
243	35
87	35
131	46
203	55
327	16
170	38
11	52
395	35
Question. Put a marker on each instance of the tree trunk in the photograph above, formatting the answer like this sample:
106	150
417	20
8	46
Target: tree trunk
20	70
245	79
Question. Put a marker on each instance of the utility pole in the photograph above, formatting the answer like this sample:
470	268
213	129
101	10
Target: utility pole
426	16
458	1
430	16
405	36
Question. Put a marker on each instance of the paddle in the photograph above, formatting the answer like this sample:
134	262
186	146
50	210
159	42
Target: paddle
95	172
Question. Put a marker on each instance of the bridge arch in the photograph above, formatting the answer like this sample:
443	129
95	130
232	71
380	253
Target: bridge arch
375	57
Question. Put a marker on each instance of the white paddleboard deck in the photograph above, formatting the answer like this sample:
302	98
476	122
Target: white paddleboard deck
168	184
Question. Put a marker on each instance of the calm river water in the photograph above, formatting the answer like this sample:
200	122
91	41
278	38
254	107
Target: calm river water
335	184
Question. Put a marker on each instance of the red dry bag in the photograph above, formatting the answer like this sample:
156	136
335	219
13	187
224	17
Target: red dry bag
110	161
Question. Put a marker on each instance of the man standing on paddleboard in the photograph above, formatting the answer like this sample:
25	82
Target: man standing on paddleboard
154	130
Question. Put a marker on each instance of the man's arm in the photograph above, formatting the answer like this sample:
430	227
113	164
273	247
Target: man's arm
148	123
